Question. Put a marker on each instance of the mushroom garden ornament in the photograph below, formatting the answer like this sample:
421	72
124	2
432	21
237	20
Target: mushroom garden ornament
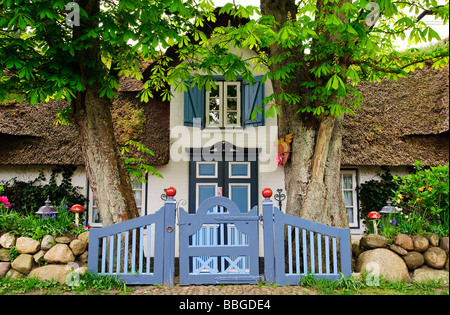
77	209
374	216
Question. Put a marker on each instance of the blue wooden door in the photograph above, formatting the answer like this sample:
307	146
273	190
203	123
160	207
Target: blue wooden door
219	246
230	172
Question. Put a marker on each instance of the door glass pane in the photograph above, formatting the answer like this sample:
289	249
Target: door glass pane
205	191
207	169
240	170
239	194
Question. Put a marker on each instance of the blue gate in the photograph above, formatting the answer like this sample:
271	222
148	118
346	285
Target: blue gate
138	251
295	247
219	244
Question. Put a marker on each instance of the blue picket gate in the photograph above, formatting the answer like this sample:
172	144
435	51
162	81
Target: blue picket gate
295	247
219	244
138	251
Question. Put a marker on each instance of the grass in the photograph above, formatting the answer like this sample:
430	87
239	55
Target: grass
352	286
90	284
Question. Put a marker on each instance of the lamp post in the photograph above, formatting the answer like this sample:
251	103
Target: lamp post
388	208
48	209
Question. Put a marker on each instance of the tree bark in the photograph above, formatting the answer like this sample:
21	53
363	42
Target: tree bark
312	176
108	177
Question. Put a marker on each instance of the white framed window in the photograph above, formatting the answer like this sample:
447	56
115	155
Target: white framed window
223	105
139	197
348	187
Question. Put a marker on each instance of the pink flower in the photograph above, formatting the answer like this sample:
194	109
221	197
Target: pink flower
7	205
4	199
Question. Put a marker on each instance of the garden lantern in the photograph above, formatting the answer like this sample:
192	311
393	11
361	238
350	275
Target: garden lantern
77	209
374	216
48	209
388	208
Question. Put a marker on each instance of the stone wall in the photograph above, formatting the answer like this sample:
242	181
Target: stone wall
51	258
418	258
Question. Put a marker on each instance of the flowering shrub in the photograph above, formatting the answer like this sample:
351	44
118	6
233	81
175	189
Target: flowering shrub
37	226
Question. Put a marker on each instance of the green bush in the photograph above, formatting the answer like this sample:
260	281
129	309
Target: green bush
37	226
425	192
374	194
28	197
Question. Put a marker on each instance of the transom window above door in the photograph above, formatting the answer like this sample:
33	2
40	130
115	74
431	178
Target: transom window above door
224	105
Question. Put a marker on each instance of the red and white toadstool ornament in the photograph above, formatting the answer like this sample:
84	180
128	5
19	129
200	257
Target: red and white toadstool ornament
77	209
374	216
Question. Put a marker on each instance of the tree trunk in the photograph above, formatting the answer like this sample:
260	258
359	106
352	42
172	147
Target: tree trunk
312	176
108	177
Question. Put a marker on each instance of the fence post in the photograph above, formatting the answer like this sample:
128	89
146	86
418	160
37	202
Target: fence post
169	237
269	256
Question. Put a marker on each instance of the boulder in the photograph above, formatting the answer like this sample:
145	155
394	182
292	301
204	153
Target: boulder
23	263
413	260
47	242
435	257
405	241
446	264
444	244
39	257
52	272
59	254
5	254
433	239
420	243
78	247
62	240
84	236
7	240
4	267
83	257
398	249
14	274
373	241
27	245
384	263
426	274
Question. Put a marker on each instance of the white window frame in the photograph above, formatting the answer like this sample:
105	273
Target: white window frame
355	207
91	205
223	105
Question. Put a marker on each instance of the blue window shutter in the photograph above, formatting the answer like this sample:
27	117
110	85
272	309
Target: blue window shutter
194	106
253	96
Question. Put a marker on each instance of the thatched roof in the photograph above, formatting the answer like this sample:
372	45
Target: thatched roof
400	121
28	135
